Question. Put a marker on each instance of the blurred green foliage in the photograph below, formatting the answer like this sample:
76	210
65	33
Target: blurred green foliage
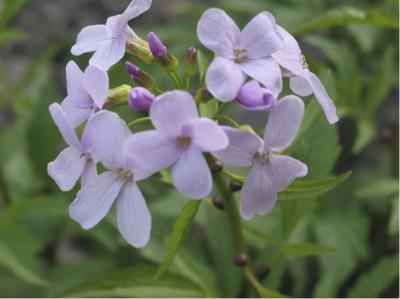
343	243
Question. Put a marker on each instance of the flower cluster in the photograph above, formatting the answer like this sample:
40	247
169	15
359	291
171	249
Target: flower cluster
248	68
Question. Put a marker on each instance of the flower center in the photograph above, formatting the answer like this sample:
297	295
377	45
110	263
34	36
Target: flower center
262	156
304	62
125	175
240	55
87	157
183	142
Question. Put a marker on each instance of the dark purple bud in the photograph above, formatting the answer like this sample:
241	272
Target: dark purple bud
216	166
218	202
203	95
241	260
235	186
157	48
190	63
262	272
141	99
253	97
133	70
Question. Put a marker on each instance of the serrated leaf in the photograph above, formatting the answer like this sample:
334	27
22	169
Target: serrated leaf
181	225
373	283
349	15
305	249
138	281
312	188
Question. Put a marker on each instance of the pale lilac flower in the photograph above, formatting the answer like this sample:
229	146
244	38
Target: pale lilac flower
109	41
76	160
302	81
254	97
271	172
240	53
87	92
141	99
107	133
179	138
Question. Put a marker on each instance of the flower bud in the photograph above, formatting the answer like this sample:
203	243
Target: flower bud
241	260
235	186
118	96
140	77
190	63
141	99
161	54
253	97
218	202
138	46
216	166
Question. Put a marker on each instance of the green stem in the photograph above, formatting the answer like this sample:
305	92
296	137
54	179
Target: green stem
187	83
139	121
236	224
4	189
233	176
227	119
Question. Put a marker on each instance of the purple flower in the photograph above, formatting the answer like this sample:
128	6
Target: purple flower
76	160
107	133
157	48
179	138
253	97
141	99
109	41
240	53
271	172
87	92
302	80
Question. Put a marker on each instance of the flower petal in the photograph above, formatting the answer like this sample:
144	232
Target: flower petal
241	149
89	173
191	174
75	115
109	54
266	71
133	216
206	134
136	8
301	86
96	83
224	79
218	32
283	170
67	168
151	150
90	39
289	56
260	37
106	132
172	110
323	98
75	89
257	195
95	199
284	123
64	125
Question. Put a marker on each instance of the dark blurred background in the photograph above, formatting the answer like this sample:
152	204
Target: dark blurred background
352	45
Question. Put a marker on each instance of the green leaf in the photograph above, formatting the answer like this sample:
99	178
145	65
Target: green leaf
11	35
268	293
305	249
384	187
268	239
9	9
366	132
209	109
393	228
374	282
202	62
138	281
348	15
312	188
181	225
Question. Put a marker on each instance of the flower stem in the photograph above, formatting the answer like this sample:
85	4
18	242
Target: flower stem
139	121
236	224
4	189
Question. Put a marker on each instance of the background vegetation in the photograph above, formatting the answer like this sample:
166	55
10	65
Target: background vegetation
352	45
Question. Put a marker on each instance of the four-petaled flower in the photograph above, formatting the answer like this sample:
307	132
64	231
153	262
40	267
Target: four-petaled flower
75	161
107	133
240	53
253	97
271	172
109	41
302	81
87	92
179	138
